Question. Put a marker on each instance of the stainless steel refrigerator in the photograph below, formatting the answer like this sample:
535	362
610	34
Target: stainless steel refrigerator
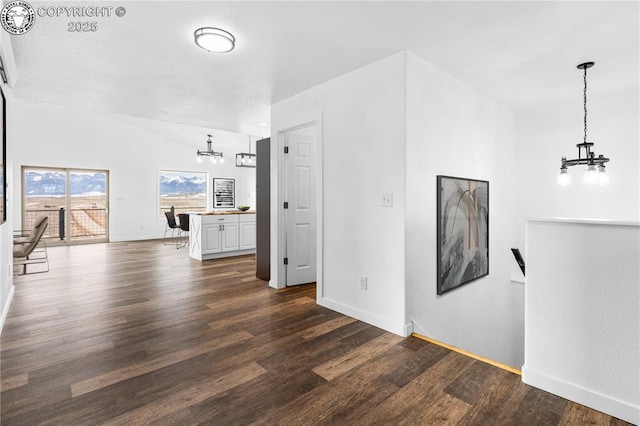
263	209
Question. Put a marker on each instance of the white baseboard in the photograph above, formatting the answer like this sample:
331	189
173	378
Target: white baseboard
5	308
403	330
408	329
273	283
124	239
588	397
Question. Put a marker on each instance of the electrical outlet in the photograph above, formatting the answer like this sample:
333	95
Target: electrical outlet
387	199
363	283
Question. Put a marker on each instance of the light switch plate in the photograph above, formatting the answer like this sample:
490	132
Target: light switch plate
363	283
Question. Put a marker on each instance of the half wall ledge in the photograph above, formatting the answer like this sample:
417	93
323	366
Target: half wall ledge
582	312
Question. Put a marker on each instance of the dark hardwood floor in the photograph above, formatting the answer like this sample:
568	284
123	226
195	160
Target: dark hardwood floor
139	333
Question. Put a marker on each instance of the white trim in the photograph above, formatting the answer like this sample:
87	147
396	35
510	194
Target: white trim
278	278
587	221
5	308
125	238
400	329
590	398
319	208
408	329
223	254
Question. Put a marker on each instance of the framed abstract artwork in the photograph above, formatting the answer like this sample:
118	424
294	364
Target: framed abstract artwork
463	231
224	193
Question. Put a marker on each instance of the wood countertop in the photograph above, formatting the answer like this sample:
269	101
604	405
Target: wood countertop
226	212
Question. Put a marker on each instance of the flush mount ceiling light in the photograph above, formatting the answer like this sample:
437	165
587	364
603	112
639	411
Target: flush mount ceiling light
214	157
246	159
214	40
595	172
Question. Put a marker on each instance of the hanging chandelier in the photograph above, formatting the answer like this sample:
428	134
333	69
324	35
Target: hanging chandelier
214	156
595	172
246	159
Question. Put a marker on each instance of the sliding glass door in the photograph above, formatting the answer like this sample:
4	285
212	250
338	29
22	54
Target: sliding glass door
76	202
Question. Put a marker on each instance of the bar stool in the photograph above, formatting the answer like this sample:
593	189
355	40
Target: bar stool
171	226
184	227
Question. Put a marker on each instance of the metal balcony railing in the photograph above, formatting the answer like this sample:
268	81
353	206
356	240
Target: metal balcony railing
84	223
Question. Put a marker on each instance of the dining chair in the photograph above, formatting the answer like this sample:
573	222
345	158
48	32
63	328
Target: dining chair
32	249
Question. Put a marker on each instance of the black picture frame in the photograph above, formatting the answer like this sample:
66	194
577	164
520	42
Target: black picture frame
3	172
463	231
224	193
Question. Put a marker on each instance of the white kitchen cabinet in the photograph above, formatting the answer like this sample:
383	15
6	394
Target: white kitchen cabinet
229	237
221	235
211	238
247	231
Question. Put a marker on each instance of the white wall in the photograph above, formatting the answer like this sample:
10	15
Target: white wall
392	126
363	142
583	314
452	130
133	150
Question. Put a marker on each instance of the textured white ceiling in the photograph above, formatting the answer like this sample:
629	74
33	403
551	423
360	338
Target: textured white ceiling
145	64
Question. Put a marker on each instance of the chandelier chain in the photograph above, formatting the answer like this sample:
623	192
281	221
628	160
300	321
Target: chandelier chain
585	105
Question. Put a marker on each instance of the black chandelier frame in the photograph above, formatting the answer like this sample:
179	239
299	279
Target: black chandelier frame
590	158
210	152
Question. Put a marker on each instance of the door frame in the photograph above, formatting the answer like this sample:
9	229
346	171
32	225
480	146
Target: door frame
278	192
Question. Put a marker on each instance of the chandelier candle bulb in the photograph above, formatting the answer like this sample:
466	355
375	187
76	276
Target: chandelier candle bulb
564	179
603	176
591	175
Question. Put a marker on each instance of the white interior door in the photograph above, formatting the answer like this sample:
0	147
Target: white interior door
301	212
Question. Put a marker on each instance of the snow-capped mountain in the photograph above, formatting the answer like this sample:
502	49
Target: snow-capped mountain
182	185
53	184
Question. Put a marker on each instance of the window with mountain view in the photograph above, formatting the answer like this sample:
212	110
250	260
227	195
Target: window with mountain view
184	191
